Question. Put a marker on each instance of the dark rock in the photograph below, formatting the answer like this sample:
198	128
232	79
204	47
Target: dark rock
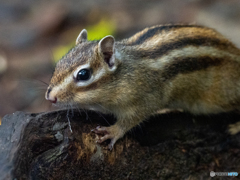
168	146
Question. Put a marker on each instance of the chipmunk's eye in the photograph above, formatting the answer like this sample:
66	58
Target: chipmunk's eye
83	75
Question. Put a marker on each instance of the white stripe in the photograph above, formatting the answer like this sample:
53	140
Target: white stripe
63	85
69	79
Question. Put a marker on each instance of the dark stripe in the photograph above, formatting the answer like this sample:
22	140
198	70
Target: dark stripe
189	65
48	91
180	43
77	56
157	30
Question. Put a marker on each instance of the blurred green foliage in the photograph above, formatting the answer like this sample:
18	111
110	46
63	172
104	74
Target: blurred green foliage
95	32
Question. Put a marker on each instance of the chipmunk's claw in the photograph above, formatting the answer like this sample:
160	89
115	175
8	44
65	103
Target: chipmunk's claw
112	132
100	130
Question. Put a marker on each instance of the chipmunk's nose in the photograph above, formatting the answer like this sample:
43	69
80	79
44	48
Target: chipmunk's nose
50	97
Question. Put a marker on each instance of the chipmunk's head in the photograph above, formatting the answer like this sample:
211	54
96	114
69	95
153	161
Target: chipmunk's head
82	75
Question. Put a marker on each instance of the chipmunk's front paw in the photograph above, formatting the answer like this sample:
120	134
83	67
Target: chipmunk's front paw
113	132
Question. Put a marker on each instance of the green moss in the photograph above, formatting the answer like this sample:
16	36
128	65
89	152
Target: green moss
95	32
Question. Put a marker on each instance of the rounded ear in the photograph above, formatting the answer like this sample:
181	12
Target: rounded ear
106	49
82	37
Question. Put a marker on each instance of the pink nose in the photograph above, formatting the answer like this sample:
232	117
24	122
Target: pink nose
53	101
51	98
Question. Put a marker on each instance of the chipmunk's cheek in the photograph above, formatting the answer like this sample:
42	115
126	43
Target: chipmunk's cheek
78	97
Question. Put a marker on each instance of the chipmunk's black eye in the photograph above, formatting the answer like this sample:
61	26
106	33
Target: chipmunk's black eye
83	75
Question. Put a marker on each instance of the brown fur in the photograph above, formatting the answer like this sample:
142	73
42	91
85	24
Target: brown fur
193	68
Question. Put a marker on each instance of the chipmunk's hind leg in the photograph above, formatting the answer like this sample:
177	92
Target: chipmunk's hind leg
113	132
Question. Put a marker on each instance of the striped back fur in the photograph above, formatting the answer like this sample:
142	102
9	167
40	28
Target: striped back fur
146	63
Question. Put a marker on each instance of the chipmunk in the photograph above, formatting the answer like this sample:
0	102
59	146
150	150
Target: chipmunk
190	67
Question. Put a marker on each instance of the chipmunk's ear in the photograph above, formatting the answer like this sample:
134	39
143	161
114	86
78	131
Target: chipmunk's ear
82	37
106	49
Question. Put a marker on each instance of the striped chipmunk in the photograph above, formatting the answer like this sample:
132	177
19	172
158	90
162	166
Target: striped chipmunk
188	67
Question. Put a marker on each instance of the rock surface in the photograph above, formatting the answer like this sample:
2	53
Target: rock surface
168	146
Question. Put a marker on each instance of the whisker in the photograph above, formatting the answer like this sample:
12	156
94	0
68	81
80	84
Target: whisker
86	114
99	113
67	110
80	112
45	103
102	107
42	82
103	117
72	110
87	117
84	111
50	106
68	119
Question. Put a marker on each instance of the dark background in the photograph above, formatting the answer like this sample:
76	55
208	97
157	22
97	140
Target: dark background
34	34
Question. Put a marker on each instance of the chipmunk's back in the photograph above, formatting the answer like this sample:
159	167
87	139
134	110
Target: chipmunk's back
159	40
197	68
